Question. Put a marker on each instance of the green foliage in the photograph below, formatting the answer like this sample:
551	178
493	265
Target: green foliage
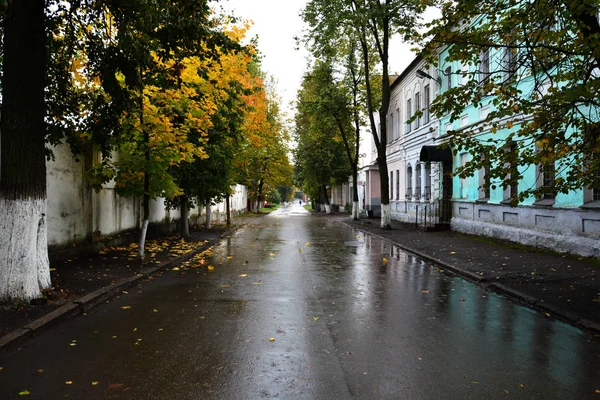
544	102
370	24
322	115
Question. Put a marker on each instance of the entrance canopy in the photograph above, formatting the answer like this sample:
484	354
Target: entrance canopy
436	153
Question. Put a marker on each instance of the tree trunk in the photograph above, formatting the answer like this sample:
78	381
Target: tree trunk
145	222
228	209
355	194
24	266
185	217
259	197
207	224
386	216
146	201
325	199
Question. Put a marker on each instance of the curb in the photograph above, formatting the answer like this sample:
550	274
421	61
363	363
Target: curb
87	302
509	293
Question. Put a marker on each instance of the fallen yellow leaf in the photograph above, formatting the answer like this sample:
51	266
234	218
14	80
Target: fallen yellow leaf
452	252
316	318
94	383
271	339
155	310
272	254
243	275
211	268
175	268
24	393
424	291
125	307
307	244
68	382
385	260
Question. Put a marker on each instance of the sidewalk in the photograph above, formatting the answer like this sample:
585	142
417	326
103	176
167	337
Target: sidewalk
562	286
82	282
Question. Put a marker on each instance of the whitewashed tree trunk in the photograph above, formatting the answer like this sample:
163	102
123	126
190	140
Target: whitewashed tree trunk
142	241
386	216
24	265
355	210
327	209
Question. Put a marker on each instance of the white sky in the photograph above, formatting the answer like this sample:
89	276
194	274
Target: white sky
276	23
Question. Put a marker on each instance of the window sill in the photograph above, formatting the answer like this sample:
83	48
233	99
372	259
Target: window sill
545	202
483	200
506	201
591	205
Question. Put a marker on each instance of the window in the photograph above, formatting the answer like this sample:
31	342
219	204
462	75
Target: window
484	65
409	182
397	184
484	179
463	75
448	76
512	190
390	129
391	185
464	182
397	130
548	181
509	63
408	115
427	181
426	101
417	108
418	180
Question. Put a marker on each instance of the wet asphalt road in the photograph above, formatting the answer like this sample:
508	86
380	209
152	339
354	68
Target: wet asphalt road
345	323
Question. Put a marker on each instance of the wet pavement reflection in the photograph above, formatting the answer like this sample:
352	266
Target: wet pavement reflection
301	307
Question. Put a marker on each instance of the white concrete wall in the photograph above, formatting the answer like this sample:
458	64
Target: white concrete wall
76	212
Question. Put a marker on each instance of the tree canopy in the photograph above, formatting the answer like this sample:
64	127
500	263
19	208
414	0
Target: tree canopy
537	65
371	24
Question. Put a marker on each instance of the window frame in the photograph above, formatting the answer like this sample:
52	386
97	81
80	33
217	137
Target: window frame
417	108
426	104
408	115
418	174
408	183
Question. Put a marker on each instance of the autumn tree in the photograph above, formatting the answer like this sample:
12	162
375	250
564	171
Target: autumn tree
262	162
209	180
24	266
372	23
136	52
537	65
